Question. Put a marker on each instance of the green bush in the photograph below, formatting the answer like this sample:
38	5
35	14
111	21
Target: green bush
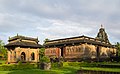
80	64
20	62
9	67
45	59
57	64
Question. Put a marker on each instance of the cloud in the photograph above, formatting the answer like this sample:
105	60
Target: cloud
58	19
59	28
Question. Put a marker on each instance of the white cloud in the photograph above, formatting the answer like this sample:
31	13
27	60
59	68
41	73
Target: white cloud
58	18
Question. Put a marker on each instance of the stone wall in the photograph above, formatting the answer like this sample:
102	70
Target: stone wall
107	52
14	55
80	51
83	51
53	52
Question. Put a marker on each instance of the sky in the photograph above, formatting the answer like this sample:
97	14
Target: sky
55	19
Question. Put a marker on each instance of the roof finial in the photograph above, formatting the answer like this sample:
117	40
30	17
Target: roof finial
101	26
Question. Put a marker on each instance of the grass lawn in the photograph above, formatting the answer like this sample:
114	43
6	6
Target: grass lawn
102	69
66	69
2	61
62	70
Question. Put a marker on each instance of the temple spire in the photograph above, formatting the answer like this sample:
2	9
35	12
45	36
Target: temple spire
102	35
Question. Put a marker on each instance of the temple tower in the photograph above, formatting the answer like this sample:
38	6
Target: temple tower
102	35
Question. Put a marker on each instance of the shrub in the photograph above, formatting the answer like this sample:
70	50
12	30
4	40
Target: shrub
80	64
9	67
45	59
20	62
57	64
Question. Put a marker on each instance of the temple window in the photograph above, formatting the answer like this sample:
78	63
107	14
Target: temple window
32	56
15	54
23	56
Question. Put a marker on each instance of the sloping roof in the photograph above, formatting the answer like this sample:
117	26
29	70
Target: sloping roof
23	44
70	38
79	39
22	37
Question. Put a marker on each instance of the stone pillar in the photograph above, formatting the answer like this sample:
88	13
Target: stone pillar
64	52
9	54
18	55
38	55
35	53
12	58
27	54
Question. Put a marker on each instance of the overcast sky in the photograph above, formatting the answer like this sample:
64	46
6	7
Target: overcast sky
56	19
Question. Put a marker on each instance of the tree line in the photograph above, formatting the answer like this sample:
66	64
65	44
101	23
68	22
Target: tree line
3	50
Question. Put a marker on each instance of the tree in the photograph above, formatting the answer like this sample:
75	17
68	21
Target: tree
3	50
117	45
42	52
46	40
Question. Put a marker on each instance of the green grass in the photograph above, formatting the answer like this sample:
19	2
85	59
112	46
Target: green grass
101	69
62	70
66	69
2	61
4	72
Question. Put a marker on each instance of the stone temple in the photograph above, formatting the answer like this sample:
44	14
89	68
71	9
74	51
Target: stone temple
21	48
81	48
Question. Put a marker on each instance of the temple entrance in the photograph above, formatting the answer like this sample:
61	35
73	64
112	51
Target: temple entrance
23	56
62	51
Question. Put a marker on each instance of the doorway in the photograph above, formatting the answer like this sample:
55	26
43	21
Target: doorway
62	51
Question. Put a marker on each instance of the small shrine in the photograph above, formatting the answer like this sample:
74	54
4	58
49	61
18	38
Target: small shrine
21	48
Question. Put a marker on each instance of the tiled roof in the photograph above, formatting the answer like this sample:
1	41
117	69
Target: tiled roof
23	44
22	37
79	39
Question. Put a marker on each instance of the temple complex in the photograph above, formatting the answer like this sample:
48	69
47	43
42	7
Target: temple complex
21	48
81	48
